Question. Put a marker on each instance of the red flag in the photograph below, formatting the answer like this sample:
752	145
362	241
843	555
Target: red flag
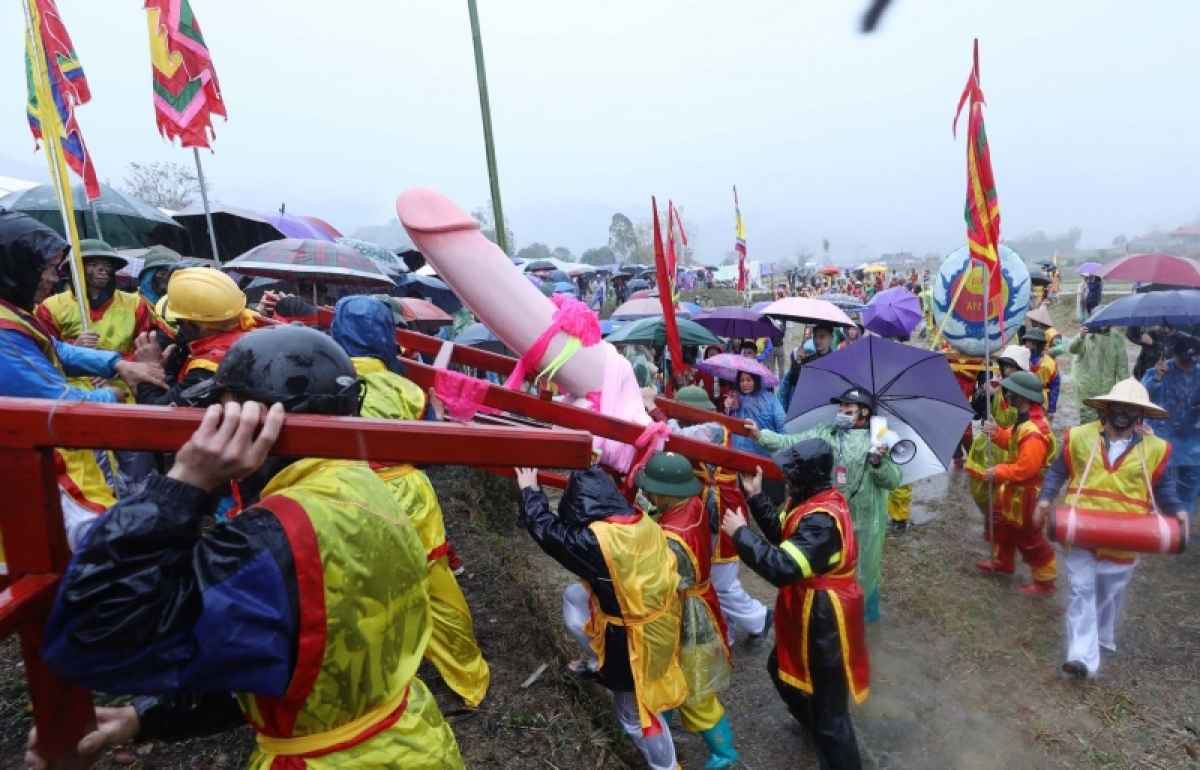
983	206
665	291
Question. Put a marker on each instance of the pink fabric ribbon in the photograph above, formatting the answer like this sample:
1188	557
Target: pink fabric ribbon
654	437
574	318
462	395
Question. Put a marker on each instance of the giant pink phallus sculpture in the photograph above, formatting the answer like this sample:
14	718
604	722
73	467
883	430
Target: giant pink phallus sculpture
554	336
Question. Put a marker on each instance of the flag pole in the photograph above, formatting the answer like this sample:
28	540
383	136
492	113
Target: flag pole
489	145
51	125
96	220
212	234
987	408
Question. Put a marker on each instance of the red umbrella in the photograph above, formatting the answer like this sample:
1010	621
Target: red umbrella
423	315
829	271
1153	268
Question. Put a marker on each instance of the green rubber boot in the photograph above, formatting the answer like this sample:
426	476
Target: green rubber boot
719	739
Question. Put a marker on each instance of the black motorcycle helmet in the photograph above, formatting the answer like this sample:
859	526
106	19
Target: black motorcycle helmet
295	366
808	466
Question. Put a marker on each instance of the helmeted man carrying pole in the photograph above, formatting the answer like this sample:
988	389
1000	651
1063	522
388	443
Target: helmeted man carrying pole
809	552
1108	465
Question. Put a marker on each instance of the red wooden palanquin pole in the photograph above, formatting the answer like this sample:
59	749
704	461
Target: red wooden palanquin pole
35	544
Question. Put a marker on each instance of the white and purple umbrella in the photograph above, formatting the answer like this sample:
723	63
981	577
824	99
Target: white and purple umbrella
726	366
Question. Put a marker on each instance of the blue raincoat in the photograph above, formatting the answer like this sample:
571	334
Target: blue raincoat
365	328
763	408
1178	393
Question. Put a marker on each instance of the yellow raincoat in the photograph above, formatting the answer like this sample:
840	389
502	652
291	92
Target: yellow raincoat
452	649
354	699
645	580
118	326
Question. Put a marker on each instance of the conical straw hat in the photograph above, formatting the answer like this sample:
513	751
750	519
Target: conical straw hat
1041	315
1129	391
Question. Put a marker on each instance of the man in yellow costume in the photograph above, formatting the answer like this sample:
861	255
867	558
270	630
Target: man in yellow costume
626	612
363	326
1108	465
310	606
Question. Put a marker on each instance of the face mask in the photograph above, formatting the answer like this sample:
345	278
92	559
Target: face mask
844	421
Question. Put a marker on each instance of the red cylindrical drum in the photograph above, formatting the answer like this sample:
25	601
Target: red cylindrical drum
1084	528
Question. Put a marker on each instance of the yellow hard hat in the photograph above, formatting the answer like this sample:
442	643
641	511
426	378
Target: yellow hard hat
202	295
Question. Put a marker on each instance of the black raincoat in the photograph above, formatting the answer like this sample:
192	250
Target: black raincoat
591	496
26	247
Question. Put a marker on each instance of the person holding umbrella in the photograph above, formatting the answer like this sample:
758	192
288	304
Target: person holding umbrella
820	656
1029	447
1156	344
1098	363
1175	386
1108	465
864	473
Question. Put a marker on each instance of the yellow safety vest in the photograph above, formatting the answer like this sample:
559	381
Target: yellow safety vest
79	474
116	327
354	699
646	580
1119	488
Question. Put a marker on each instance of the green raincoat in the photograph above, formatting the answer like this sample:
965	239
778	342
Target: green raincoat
1099	362
866	490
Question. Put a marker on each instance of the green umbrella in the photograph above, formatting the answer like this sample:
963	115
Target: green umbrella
126	222
653	331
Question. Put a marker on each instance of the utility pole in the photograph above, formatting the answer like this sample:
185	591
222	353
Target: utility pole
488	142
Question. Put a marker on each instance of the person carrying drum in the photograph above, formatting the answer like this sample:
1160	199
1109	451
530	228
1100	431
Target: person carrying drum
1109	465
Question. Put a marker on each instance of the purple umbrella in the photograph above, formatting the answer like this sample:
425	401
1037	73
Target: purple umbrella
893	313
727	365
758	306
1087	268
913	388
737	322
295	227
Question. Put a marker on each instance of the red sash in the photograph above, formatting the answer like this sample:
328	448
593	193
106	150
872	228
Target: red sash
793	607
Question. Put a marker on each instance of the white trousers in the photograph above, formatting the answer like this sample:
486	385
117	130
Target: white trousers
741	610
1097	589
659	750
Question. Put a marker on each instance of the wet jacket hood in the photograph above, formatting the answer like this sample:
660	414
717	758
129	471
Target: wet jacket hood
591	496
365	328
26	247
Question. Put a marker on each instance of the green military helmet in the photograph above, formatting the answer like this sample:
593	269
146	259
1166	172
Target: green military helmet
1037	335
91	248
669	474
1026	384
695	397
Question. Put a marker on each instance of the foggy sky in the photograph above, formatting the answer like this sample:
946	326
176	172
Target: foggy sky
335	107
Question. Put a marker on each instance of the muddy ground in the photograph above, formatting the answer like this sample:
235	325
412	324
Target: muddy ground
964	667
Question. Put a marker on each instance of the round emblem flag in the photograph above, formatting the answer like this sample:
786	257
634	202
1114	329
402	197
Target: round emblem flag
965	328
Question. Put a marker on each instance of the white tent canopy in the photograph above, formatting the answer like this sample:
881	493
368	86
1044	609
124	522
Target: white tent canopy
730	273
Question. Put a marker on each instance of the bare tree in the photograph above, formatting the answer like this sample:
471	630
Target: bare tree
169	186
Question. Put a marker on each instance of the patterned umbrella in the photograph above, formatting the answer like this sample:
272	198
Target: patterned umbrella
383	258
293	258
324	226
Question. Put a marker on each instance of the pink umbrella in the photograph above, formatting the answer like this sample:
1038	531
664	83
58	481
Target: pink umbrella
727	365
1152	268
807	310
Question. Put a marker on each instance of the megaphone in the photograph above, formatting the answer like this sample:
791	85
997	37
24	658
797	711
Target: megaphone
901	450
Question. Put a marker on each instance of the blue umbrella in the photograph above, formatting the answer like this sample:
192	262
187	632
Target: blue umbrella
913	388
692	308
1178	308
411	284
566	287
609	326
893	313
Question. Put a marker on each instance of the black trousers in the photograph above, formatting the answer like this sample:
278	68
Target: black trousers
825	714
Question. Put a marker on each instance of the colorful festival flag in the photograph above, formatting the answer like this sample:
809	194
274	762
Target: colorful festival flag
68	89
666	287
186	94
983	206
743	279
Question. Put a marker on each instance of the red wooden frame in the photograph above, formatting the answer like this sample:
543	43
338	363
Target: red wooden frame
35	543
